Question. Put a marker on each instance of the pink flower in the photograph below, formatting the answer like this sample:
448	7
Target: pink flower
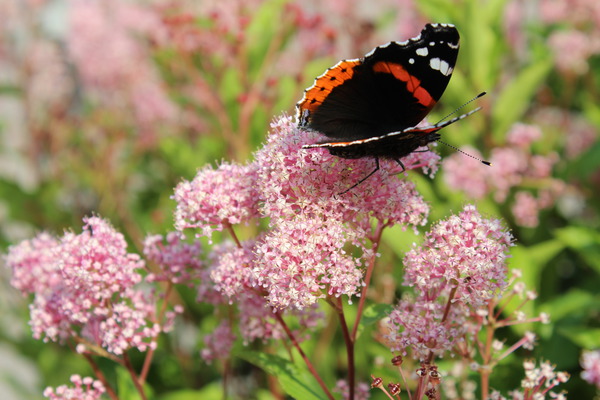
179	261
571	50
33	265
590	362
362	390
525	209
85	389
523	135
303	260
465	250
231	273
217	198
89	289
467	174
293	181
219	343
416	325
114	63
512	167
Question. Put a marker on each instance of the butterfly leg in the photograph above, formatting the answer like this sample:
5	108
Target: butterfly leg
363	179
400	163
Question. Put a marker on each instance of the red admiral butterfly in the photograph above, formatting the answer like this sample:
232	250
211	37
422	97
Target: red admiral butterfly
370	106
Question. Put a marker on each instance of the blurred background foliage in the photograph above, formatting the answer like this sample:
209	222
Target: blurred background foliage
106	105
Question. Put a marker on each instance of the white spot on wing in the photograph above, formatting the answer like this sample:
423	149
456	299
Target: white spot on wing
411	60
444	68
422	51
440	65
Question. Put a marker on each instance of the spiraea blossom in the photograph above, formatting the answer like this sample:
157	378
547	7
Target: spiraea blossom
84	389
537	383
216	198
459	267
418	325
178	261
303	260
89	291
466	252
303	256
296	181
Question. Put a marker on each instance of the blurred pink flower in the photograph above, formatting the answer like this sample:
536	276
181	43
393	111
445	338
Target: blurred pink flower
525	209
523	135
33	265
114	64
361	392
467	174
572	49
513	166
218	344
577	133
85	389
590	362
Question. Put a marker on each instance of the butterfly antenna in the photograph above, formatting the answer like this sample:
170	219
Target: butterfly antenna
465	153
454	112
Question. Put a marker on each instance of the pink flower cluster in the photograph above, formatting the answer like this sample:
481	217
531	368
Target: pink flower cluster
84	287
590	362
302	257
466	252
315	246
461	263
178	261
537	384
573	46
362	390
217	198
513	167
85	389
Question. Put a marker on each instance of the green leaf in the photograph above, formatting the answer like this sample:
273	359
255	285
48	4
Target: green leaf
517	95
582	336
574	304
372	314
126	389
211	391
585	241
295	381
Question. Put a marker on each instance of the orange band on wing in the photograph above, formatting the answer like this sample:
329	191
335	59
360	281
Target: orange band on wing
412	83
324	84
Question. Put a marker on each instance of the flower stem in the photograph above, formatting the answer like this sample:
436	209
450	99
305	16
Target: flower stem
98	372
311	368
134	377
339	308
363	295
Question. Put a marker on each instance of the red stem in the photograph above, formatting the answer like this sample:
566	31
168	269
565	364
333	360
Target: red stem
134	377
311	368
98	372
339	308
363	295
